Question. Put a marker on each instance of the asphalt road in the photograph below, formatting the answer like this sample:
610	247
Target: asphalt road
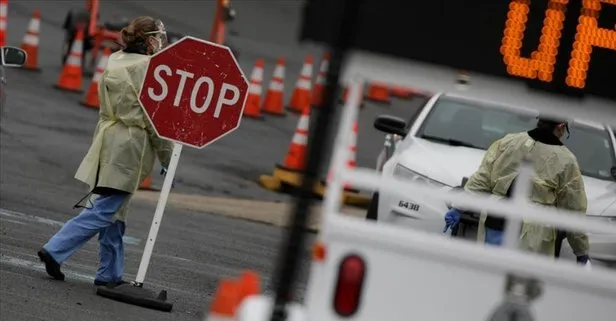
45	133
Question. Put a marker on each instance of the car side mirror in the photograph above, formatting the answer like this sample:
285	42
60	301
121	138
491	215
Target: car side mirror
613	172
390	125
13	56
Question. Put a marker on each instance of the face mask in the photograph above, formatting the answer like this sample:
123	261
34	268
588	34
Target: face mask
159	39
160	44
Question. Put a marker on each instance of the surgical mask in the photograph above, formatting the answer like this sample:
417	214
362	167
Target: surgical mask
159	39
160	44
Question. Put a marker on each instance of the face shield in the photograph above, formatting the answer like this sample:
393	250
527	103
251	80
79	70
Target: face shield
160	34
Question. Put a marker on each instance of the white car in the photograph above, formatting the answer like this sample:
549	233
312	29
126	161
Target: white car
444	143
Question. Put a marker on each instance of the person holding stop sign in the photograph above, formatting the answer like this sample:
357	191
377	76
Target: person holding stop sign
122	155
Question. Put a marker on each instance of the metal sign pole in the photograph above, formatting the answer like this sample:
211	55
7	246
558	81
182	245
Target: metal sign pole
158	214
317	144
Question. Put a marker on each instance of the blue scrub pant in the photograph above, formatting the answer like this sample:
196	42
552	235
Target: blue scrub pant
494	237
80	229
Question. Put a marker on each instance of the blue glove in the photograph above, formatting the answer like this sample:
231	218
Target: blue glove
452	218
583	259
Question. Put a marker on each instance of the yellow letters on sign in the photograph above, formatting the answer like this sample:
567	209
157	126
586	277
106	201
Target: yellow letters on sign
588	35
541	62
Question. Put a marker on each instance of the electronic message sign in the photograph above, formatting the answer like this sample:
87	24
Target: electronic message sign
562	46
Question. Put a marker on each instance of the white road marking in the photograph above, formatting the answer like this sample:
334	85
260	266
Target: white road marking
19	218
71	274
40	267
16	216
14	221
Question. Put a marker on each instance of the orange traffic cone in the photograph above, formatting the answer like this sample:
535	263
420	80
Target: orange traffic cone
352	161
146	185
249	284
91	98
71	76
4	13
378	92
30	42
226	301
300	99
275	93
402	92
319	84
253	102
295	159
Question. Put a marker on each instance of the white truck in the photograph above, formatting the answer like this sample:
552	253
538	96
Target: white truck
365	271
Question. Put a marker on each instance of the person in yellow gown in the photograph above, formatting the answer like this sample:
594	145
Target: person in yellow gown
121	156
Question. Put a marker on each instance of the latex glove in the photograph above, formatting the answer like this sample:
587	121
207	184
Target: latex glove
452	218
163	171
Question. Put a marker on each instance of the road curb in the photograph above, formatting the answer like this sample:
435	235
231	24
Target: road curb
267	212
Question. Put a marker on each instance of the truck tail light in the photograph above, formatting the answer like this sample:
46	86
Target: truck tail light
348	290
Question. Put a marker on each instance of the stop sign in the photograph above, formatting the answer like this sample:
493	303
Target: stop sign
194	92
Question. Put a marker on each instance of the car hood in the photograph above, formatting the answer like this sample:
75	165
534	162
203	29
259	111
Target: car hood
449	164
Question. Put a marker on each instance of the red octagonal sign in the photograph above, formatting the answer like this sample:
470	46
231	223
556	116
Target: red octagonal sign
194	92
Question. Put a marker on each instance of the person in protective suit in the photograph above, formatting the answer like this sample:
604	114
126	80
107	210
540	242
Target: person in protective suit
121	156
557	182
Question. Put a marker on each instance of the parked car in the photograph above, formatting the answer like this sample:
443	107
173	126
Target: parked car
9	57
445	142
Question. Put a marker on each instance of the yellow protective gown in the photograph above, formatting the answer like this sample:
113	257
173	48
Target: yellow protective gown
557	182
124	145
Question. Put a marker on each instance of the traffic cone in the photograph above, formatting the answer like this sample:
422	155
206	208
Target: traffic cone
319	84
296	156
402	92
226	301
275	93
91	98
290	172
30	42
253	102
71	77
300	99
249	284
146	185
350	196
352	161
378	92
4	13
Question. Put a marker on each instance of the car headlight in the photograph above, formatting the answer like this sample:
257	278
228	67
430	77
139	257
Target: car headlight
407	174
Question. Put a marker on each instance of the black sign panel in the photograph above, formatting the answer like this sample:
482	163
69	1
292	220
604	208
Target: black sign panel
564	46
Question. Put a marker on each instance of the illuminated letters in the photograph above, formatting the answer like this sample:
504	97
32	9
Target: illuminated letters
588	35
541	62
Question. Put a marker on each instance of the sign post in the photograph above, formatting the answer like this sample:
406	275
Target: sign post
193	93
158	214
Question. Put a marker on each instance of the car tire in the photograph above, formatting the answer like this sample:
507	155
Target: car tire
373	208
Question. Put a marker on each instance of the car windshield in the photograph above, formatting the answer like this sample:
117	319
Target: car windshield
461	122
